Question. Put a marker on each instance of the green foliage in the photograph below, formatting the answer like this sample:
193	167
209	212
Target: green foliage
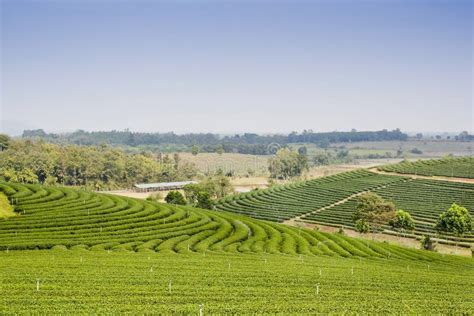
233	283
427	243
456	220
175	197
303	150
423	197
362	226
402	221
6	210
373	209
217	186
220	150
195	150
416	151
154	197
4	142
95	168
287	164
204	200
59	216
322	159
280	203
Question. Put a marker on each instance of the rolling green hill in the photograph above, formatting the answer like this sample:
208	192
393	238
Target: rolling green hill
77	252
332	200
52	217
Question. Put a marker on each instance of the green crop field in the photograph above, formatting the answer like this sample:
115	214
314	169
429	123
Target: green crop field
284	202
312	201
462	167
96	282
424	199
71	251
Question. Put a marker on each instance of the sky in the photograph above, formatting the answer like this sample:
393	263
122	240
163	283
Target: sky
236	66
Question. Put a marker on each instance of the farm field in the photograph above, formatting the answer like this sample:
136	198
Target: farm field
71	251
97	282
318	201
461	167
424	199
430	148
61	218
240	164
281	203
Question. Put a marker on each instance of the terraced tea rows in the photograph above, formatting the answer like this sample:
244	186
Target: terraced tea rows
284	202
424	199
55	282
65	218
462	167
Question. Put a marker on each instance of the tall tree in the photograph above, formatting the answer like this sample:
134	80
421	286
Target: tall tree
456	220
373	209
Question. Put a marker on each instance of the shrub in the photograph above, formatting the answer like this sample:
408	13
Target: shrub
175	197
362	226
428	244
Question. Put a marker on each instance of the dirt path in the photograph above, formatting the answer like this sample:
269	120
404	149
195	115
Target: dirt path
415	176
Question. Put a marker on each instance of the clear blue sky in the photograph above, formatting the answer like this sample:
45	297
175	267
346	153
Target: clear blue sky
231	66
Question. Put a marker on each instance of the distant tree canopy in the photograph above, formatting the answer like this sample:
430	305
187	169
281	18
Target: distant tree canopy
4	142
95	167
287	164
216	186
374	210
247	143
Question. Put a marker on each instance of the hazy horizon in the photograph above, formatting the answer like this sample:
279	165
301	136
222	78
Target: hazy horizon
236	66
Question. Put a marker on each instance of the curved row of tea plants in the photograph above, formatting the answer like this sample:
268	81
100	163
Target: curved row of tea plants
52	217
284	202
462	167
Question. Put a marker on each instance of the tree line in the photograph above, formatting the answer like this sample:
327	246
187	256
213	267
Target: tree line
95	167
247	143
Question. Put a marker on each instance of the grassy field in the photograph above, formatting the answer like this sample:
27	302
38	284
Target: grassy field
429	148
97	282
240	164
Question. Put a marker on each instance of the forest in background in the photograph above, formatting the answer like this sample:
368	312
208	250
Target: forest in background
247	143
94	167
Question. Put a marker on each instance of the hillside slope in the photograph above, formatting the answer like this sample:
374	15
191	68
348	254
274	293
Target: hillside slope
332	200
112	255
52	217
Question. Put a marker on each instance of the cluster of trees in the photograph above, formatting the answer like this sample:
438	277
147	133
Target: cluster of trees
247	143
288	163
372	212
203	193
94	167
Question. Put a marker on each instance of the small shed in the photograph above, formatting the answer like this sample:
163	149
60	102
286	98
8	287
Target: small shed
161	186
